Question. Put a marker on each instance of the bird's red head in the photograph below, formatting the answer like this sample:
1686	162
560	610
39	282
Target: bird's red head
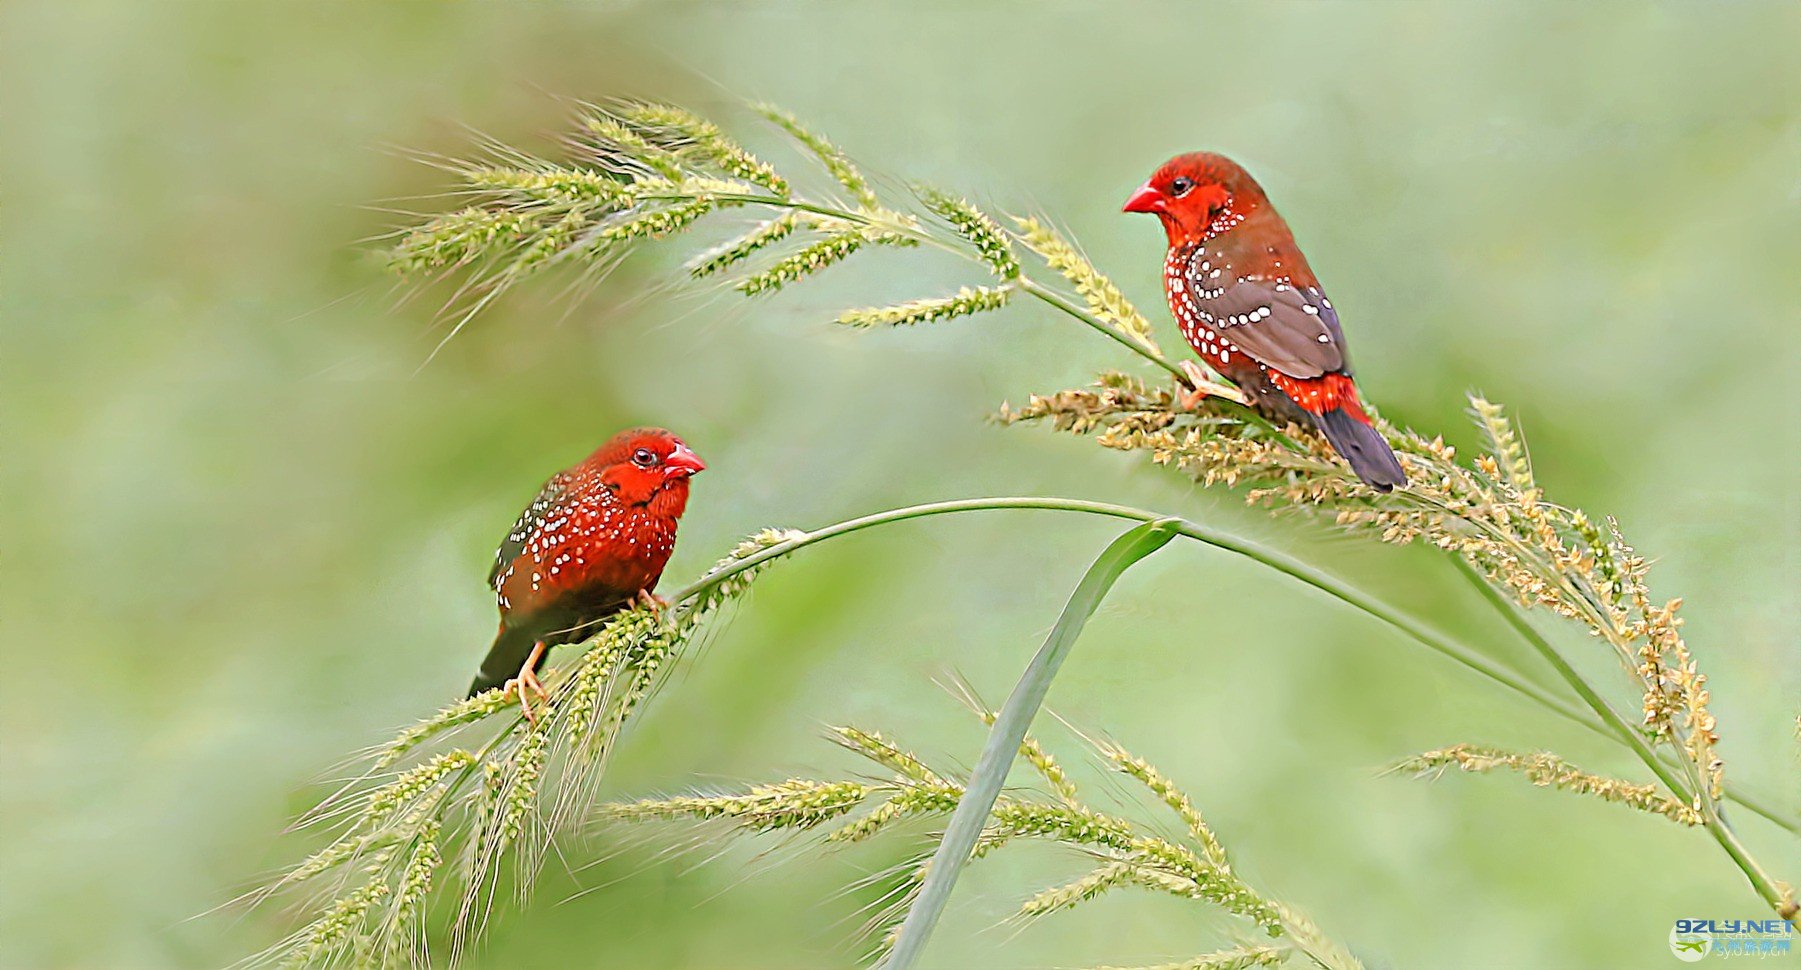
1198	196
648	466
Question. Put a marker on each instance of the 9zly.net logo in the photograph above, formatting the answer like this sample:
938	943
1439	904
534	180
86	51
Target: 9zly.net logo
1694	939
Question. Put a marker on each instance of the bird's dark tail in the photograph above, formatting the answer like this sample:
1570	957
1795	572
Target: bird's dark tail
504	659
1363	447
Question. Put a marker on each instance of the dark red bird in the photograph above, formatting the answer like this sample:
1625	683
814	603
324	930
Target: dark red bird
1247	302
594	540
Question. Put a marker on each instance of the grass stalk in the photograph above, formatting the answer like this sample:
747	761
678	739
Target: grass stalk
1782	902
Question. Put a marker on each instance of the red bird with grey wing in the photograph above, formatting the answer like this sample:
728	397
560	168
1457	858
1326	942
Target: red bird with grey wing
594	541
1248	303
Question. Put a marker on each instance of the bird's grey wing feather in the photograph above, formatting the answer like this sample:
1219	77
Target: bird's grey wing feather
1289	328
521	532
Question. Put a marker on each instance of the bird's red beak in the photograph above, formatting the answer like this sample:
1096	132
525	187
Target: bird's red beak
1146	199
683	461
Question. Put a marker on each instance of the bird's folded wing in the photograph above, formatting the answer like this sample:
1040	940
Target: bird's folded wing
520	534
1291	329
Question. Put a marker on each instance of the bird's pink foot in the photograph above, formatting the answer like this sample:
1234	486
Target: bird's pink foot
1203	387
527	684
652	602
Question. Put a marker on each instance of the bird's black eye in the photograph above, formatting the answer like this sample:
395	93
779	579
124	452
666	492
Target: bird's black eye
1181	186
644	458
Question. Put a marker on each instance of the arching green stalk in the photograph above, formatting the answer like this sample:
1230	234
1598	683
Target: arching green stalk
1319	579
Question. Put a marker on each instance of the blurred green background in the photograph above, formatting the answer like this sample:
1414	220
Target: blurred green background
242	537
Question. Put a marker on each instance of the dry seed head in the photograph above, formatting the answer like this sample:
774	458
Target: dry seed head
338	926
416	878
414	782
1549	771
1036	756
465	711
657	223
520	791
634	146
1509	451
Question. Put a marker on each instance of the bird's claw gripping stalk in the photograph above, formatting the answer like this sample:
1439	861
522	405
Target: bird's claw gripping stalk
652	602
527	683
1204	387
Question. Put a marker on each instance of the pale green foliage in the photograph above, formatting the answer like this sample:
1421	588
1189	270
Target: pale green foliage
1127	853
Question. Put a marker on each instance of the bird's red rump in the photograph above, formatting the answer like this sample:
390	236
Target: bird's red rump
1321	394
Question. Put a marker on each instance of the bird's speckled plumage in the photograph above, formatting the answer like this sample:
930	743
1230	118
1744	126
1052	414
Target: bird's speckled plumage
597	535
1248	303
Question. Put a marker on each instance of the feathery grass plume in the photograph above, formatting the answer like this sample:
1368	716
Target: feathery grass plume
545	186
965	302
788	804
1237	958
641	171
991	244
829	155
1167	792
708	141
615	141
420	804
459	238
1104	298
805	262
871	745
1121	852
335	933
1546	770
735	251
1491	515
1066	896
